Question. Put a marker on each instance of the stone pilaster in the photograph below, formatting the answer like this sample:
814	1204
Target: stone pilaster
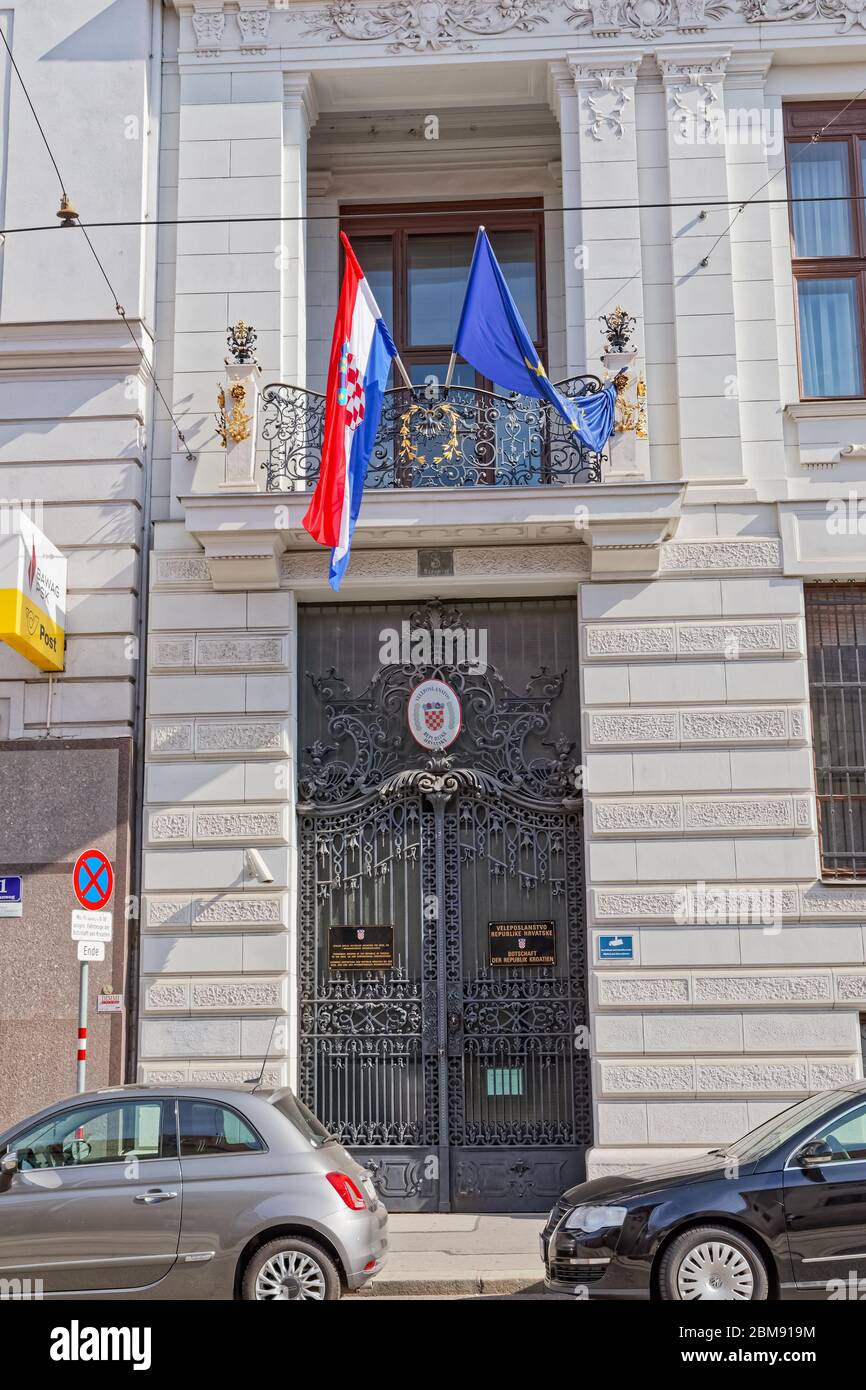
706	357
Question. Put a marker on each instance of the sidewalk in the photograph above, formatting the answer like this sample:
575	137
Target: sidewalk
454	1254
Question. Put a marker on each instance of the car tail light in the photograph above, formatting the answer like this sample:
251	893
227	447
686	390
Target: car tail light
342	1183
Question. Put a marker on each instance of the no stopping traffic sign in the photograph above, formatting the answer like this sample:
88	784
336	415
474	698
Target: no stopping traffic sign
92	879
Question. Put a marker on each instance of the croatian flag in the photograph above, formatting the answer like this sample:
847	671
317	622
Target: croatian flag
361	353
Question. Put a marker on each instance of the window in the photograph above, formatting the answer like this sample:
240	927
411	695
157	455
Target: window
94	1133
846	1137
208	1129
836	638
416	259
828	240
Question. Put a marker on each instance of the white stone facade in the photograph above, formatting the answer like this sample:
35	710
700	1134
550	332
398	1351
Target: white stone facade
687	569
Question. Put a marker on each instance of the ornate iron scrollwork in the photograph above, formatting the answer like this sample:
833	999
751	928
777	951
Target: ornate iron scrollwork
462	438
368	748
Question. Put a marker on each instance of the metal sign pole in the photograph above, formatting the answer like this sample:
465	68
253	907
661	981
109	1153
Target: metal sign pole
83	972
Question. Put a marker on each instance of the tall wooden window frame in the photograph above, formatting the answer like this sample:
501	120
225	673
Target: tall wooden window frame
801	120
402	220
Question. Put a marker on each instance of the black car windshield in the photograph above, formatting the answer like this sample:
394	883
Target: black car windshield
301	1117
783	1127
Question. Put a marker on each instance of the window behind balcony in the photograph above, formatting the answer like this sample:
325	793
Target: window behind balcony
836	635
417	257
828	239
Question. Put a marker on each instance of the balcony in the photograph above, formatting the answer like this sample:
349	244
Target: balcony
429	438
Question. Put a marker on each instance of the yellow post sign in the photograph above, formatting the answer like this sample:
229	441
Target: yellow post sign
32	595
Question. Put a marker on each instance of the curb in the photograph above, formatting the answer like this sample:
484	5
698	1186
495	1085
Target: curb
417	1286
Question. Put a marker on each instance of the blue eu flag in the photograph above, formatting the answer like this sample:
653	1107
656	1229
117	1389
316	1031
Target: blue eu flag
493	338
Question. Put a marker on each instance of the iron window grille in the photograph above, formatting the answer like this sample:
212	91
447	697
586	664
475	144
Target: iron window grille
836	644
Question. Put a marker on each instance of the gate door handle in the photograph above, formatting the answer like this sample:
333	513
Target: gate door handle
153	1195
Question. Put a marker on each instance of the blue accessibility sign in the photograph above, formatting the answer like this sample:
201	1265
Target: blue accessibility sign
616	947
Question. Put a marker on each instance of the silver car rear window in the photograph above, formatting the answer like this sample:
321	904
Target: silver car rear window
301	1117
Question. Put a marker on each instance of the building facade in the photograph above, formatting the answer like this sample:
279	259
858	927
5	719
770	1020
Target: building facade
611	873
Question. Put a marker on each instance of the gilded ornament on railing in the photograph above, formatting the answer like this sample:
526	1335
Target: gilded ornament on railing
235	425
630	416
430	428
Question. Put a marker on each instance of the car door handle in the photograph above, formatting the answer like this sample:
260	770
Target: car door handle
155	1194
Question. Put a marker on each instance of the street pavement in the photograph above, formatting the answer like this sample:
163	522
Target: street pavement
460	1256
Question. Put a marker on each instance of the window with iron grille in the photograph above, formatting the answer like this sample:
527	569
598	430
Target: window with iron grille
836	639
826	182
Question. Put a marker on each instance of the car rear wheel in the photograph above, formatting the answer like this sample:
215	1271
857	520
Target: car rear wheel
711	1263
290	1269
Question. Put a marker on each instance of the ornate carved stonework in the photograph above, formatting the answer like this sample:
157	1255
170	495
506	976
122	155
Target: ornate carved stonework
606	641
778	724
634	1077
239	653
180	569
695	106
208	26
851	989
217	995
239	910
171	738
645	19
722	555
761	989
762	1078
254	30
167	912
252	826
619	640
426	26
164	998
170	827
245	736
851	13
272	1077
826	900
607	99
699	814
638	989
172	654
661	904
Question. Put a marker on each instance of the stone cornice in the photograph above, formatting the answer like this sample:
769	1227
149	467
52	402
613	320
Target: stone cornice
74	343
244	534
214	29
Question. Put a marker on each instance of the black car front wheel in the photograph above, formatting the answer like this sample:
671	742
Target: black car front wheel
710	1262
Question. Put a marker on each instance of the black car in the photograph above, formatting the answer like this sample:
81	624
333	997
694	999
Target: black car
781	1213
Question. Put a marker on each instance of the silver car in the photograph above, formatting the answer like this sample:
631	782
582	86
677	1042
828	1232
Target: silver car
184	1192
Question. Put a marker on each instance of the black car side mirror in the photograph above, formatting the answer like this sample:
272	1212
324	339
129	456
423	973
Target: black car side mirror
8	1169
814	1154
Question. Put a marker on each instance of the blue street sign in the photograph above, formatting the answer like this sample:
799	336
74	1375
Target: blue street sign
616	948
10	895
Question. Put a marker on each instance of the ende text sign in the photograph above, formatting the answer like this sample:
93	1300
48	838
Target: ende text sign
32	595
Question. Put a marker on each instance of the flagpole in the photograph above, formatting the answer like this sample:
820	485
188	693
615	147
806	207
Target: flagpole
402	370
453	363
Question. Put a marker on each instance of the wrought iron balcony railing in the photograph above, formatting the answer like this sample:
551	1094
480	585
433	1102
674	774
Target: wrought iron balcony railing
460	438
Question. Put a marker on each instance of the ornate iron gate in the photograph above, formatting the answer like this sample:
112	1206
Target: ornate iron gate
460	1083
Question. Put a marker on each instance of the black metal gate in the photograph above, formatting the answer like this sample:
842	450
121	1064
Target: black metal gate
462	1084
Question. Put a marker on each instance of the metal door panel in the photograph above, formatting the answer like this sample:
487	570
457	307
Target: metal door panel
406	1065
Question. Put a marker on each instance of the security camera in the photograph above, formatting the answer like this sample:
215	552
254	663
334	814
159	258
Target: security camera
257	866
